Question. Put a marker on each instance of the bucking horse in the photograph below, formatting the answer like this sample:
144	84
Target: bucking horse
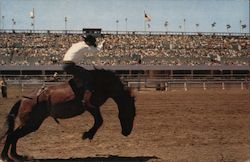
59	102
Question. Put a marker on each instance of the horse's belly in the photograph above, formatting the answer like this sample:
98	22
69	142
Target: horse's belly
61	96
66	110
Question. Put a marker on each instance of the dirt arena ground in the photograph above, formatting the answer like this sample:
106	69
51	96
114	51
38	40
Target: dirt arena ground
177	125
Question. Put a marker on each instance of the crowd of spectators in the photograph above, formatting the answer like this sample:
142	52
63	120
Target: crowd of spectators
47	49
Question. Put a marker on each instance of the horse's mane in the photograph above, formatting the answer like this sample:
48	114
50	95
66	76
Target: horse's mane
109	76
106	75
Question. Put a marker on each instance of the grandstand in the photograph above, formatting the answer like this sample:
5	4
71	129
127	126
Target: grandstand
25	48
151	54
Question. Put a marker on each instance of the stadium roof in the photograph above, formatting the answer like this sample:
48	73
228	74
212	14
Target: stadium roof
126	67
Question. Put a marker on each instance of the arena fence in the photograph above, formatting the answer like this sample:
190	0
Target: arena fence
141	82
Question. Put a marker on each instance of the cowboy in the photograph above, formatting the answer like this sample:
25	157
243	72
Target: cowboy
81	76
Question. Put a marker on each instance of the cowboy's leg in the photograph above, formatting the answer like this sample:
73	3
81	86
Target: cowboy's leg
81	72
69	67
82	75
77	71
87	96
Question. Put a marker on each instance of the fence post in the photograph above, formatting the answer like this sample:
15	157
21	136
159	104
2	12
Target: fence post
223	85
22	89
204	86
166	86
139	82
44	84
242	85
21	85
185	86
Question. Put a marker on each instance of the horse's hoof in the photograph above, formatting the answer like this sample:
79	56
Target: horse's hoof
87	135
6	159
19	158
9	160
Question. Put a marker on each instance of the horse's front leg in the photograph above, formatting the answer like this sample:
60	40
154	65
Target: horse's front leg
95	112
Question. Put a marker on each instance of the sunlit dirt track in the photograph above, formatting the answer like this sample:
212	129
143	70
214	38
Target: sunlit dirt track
193	126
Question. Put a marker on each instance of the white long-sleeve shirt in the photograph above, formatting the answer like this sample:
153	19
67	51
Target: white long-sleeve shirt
78	50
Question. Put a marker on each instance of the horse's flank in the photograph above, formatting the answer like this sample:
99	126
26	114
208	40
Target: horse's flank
55	93
58	100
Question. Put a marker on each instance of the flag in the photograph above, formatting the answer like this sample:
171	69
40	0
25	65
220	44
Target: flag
32	14
146	17
213	25
166	24
243	26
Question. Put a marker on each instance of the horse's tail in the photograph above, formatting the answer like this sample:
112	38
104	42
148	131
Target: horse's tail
9	124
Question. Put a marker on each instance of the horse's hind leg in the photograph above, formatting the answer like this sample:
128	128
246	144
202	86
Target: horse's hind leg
19	133
4	154
11	142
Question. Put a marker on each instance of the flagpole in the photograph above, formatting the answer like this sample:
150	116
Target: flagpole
240	27
144	21
33	19
126	25
0	14
32	16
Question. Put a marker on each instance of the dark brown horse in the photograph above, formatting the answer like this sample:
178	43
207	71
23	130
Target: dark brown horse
59	102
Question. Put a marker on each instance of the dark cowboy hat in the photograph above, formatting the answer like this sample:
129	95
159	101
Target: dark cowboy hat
90	39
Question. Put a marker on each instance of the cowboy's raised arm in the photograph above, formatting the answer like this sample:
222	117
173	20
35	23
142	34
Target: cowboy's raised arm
100	45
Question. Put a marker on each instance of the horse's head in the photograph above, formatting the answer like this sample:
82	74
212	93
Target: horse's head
114	88
127	111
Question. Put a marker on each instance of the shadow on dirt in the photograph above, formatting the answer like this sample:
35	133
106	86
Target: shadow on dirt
103	159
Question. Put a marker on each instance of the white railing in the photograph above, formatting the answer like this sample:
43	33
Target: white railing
144	82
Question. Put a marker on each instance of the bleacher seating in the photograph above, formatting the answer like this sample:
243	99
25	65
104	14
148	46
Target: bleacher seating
164	49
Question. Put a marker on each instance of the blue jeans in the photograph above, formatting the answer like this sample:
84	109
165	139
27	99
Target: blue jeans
79	72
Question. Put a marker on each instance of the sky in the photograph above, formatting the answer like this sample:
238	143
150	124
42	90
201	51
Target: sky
50	15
